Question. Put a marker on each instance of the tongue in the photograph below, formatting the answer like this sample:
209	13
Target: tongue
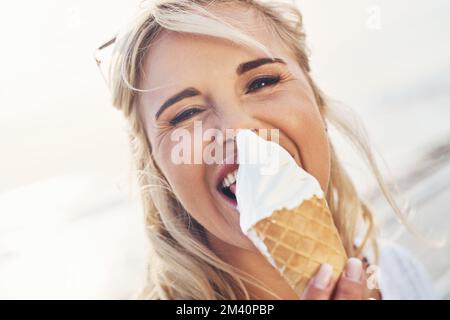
233	188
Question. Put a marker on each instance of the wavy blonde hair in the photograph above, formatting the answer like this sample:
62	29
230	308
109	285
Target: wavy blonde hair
181	264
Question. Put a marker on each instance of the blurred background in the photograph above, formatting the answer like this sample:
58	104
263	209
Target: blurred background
70	219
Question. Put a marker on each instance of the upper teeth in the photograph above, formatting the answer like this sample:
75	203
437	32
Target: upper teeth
229	179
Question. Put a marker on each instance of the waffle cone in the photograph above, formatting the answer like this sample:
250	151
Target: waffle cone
300	240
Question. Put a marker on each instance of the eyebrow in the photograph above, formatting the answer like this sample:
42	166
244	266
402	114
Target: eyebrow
186	93
192	92
247	66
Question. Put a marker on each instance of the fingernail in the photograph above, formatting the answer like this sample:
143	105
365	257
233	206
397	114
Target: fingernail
323	277
353	270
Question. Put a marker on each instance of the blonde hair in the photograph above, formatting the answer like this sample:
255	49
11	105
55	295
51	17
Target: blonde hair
181	265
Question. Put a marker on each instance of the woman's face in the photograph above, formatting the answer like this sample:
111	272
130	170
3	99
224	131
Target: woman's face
225	91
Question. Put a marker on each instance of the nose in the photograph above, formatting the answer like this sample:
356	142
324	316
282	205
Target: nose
235	119
227	125
230	116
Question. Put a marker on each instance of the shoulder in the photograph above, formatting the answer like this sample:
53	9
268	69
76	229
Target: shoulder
401	275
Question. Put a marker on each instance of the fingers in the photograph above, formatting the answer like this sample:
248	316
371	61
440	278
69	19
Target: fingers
320	287
351	283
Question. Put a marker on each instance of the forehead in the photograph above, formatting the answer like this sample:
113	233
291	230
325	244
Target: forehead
177	59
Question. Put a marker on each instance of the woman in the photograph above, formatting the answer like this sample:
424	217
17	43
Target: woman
235	64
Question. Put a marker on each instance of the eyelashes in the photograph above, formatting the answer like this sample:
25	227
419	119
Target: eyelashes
262	82
255	85
184	115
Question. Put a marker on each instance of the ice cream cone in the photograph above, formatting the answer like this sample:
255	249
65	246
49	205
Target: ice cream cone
286	215
300	240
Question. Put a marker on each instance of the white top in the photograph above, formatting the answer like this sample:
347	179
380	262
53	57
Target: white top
401	276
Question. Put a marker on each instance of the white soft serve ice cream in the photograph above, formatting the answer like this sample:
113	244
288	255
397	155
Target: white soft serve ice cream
268	179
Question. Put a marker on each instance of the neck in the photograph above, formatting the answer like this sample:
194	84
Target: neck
256	265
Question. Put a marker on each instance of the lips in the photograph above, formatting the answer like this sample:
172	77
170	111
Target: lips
226	180
225	175
228	186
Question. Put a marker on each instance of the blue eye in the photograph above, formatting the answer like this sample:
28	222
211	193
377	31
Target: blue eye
262	82
184	115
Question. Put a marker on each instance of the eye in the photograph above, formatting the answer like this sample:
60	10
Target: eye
262	82
184	115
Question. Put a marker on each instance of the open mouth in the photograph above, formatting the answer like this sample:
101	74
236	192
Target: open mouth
227	187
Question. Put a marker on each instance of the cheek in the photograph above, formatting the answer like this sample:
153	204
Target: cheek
190	186
298	117
181	176
316	153
187	180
